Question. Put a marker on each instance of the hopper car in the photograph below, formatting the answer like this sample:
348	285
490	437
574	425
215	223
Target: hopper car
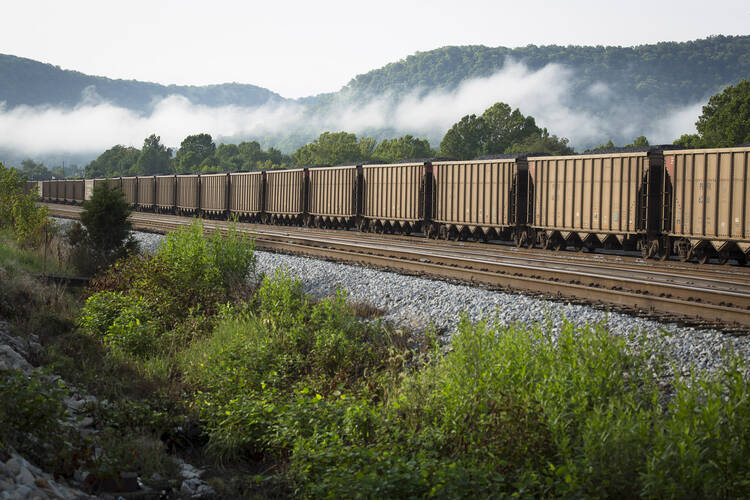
661	201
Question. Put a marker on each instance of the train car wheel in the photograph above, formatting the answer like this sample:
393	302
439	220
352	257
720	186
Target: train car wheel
517	240
702	257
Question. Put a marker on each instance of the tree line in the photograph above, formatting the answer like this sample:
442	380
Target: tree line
724	122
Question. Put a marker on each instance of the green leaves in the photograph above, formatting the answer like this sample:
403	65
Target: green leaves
499	130
725	121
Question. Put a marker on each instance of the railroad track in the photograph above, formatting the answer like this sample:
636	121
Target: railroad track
719	296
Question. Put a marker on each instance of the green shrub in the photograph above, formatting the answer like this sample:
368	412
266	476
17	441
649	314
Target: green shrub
18	211
702	445
156	305
31	411
122	321
266	362
103	235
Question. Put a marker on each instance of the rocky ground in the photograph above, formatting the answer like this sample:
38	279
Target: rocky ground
19	479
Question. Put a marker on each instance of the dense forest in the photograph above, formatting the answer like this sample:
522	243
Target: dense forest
657	75
32	83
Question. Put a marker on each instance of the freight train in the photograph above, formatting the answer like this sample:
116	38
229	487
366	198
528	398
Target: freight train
694	204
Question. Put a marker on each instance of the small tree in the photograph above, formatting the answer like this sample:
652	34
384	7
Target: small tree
103	236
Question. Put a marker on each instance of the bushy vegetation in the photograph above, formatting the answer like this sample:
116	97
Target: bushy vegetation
142	302
18	211
331	407
317	403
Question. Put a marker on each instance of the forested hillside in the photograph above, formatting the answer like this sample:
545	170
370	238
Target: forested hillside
25	81
667	73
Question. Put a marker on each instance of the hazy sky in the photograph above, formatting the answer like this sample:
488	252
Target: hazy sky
300	48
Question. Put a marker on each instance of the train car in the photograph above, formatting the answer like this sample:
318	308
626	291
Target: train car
333	196
46	190
606	200
57	190
88	188
484	199
393	197
214	194
707	204
166	192
129	187
146	192
246	195
30	187
188	194
114	182
75	191
67	190
100	181
285	195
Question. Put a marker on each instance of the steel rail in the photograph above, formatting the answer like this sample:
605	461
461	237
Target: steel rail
725	307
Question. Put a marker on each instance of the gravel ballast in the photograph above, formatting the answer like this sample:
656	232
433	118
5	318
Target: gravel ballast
417	303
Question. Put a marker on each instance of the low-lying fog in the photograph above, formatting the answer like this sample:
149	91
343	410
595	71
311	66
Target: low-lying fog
95	125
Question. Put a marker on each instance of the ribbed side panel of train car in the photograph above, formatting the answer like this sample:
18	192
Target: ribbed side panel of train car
114	182
483	198
392	197
146	186
30	187
246	193
88	189
46	190
77	191
57	191
165	192
285	194
333	195
130	189
188	193
68	190
589	200
214	193
707	202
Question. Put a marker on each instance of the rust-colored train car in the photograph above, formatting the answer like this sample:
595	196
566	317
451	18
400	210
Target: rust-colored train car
188	193
707	203
129	187
484	198
146	192
213	197
246	194
333	195
608	200
166	192
46	190
393	197
285	195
